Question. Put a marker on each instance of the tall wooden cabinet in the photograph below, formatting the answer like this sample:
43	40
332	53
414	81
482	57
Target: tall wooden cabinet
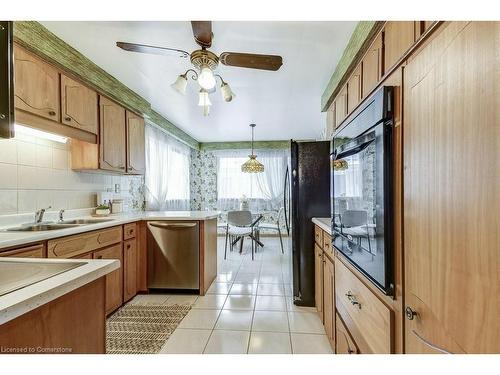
36	85
329	299
451	194
79	107
318	279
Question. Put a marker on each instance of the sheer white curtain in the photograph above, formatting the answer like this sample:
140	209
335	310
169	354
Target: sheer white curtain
263	190
167	171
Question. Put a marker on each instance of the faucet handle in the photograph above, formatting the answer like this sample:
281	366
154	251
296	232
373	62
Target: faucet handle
61	214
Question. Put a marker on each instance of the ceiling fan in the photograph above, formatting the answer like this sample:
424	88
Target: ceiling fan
206	63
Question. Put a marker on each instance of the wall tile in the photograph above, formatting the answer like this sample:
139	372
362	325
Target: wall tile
26	201
8	151
43	156
26	153
8	202
8	176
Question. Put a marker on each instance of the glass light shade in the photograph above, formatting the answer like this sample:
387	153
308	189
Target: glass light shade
39	133
206	110
252	165
203	99
206	78
180	84
227	93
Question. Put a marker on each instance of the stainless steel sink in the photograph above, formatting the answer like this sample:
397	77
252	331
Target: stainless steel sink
40	227
18	274
84	221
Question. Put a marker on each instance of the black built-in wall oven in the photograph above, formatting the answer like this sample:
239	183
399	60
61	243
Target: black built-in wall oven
361	189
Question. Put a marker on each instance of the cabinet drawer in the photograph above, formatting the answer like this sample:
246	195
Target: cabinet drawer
344	344
35	251
72	246
318	235
129	231
368	319
327	244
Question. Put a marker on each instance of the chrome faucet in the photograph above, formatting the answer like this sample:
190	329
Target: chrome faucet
61	215
39	214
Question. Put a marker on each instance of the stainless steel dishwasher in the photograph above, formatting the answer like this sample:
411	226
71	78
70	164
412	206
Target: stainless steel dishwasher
173	255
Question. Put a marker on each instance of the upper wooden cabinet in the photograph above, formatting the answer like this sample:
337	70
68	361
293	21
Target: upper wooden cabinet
372	66
112	141
341	106
354	89
79	106
135	144
398	37
330	121
36	85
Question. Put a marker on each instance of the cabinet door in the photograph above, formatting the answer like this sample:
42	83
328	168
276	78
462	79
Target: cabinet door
451	250
135	144
344	344
34	251
318	279
36	85
328	300
112	137
341	106
398	37
354	89
372	66
330	121
114	280
129	269
78	105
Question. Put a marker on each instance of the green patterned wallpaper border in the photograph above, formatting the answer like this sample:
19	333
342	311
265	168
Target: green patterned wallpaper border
39	40
269	145
362	34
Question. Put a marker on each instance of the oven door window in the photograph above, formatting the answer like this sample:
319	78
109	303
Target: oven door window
358	203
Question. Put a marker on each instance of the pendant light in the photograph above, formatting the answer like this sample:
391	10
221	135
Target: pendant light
252	165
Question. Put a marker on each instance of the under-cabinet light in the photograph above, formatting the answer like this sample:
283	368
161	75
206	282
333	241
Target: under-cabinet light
39	133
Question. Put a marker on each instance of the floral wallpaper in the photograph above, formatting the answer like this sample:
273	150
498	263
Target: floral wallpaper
203	181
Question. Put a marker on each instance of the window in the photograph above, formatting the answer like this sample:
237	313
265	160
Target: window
264	191
167	171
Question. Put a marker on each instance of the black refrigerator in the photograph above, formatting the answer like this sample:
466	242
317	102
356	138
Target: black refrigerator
310	197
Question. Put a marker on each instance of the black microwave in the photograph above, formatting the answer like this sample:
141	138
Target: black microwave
361	189
6	81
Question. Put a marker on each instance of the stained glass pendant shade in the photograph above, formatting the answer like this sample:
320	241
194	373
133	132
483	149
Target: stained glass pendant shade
252	165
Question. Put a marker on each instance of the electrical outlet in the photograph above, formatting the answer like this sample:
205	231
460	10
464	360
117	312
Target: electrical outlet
117	188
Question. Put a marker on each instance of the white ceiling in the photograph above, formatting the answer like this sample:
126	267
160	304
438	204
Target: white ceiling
284	104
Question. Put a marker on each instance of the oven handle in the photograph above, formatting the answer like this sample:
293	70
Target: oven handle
353	147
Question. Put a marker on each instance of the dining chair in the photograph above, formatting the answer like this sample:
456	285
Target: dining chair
274	226
240	224
355	224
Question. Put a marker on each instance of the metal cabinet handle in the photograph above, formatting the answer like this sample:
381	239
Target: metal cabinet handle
99	257
353	299
67	118
430	344
52	113
173	226
410	313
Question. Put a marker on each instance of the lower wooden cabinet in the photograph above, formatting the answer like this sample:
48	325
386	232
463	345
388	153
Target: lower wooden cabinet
114	280
318	279
344	344
329	299
33	251
129	269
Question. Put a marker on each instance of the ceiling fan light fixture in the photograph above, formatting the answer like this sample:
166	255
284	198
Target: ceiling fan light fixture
180	84
206	78
227	93
206	110
204	99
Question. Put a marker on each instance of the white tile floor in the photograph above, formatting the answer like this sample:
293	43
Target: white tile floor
248	309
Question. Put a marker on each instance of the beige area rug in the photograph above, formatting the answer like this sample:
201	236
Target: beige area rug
142	328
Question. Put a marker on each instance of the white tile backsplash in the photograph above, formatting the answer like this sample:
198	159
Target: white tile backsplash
36	173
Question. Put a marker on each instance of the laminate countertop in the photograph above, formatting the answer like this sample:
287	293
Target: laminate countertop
12	239
30	297
324	223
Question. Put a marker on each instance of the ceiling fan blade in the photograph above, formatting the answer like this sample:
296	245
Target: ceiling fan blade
142	48
252	61
202	31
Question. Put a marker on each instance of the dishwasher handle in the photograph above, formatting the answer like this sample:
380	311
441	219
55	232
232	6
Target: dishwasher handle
173	226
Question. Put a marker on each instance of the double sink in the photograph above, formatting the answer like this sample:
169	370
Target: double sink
37	227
